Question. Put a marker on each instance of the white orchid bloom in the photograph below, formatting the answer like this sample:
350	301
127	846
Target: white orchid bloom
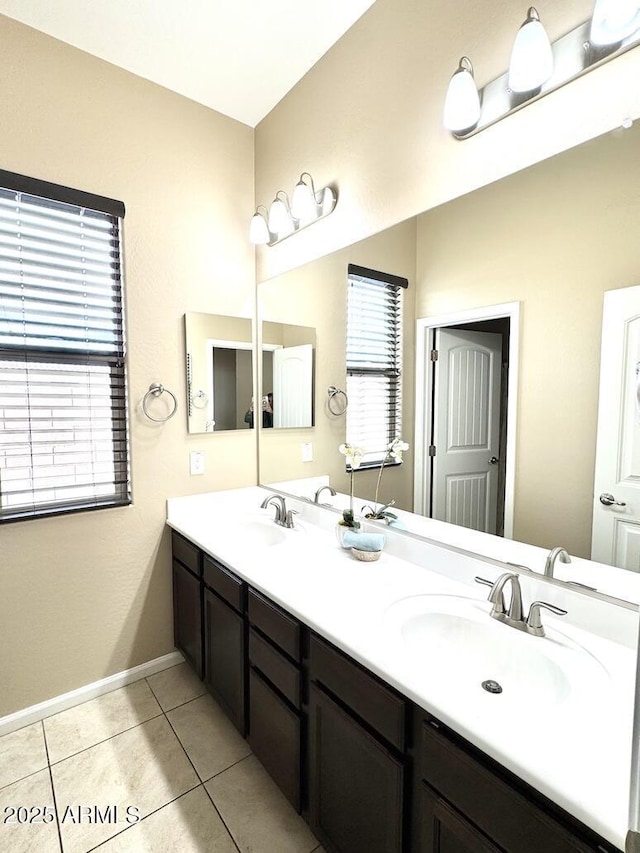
397	448
354	454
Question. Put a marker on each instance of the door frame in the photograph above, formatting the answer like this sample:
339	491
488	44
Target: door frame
424	327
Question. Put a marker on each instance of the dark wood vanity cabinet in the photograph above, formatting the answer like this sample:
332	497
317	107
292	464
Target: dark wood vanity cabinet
275	697
225	640
187	601
370	771
462	804
356	764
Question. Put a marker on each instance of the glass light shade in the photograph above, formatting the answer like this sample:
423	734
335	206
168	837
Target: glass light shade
613	21
304	207
279	219
462	104
328	200
258	230
531	58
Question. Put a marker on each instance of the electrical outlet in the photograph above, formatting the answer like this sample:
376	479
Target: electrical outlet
196	462
307	451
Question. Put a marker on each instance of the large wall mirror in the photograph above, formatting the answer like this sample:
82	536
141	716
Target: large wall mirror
219	363
552	239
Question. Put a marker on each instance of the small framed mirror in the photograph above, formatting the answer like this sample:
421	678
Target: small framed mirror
219	360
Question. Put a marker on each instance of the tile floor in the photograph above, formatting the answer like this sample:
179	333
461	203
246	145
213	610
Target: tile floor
159	750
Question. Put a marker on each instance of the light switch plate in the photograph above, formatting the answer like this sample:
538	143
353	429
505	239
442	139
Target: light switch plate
196	462
307	451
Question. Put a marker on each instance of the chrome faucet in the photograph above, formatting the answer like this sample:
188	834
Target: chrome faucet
282	517
558	553
514	615
319	491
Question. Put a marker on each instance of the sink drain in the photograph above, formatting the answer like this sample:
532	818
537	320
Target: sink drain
491	686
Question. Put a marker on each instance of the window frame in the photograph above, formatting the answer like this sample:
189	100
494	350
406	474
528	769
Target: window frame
81	359
393	370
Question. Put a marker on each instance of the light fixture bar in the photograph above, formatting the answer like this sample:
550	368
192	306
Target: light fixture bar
286	218
573	56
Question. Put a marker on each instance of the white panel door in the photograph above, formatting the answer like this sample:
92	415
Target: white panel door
293	386
467	428
616	500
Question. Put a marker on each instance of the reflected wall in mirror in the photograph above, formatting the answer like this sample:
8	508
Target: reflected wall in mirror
553	238
287	375
316	294
219	372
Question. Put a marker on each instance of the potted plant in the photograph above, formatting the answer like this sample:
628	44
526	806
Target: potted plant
394	451
348	521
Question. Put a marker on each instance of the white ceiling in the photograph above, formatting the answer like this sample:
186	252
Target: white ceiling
239	57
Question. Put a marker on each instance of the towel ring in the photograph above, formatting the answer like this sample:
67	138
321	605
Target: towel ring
155	390
199	400
335	403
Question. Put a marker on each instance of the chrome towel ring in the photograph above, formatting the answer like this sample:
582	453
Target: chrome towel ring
155	390
337	400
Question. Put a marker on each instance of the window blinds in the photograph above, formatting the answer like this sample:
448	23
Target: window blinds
374	361
63	426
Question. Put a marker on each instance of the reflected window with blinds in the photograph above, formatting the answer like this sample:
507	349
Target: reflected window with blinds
63	415
374	361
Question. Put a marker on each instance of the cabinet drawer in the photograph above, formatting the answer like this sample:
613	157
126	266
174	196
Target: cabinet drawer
186	552
280	671
375	703
274	736
504	814
222	581
283	629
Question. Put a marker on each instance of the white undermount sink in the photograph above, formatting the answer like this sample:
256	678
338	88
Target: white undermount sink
455	642
257	531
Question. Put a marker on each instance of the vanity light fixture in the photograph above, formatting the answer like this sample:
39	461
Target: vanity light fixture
613	21
285	218
539	66
531	58
462	104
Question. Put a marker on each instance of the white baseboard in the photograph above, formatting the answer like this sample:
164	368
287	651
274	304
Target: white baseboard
83	694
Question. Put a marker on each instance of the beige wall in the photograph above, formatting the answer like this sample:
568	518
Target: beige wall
316	295
555	237
87	595
368	117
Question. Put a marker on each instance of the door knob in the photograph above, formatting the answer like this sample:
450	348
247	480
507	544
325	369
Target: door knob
494	460
609	500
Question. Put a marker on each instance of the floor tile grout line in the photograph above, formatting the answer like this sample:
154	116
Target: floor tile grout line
219	813
26	776
235	764
180	704
224	823
142	819
105	740
53	787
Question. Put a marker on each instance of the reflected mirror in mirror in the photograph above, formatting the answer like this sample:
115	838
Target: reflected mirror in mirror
219	372
553	238
287	375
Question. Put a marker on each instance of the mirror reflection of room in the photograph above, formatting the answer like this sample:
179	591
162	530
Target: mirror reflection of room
219	372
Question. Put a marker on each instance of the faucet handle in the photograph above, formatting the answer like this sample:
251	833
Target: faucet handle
495	597
534	621
288	519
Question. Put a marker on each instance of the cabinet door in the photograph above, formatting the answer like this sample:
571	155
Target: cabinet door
445	831
224	654
355	784
187	616
274	735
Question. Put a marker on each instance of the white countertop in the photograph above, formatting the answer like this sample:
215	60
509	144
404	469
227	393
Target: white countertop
577	752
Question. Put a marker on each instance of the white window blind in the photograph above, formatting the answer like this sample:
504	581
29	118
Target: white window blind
63	422
374	361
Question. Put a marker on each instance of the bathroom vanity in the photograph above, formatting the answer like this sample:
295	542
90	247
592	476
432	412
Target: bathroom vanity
299	644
